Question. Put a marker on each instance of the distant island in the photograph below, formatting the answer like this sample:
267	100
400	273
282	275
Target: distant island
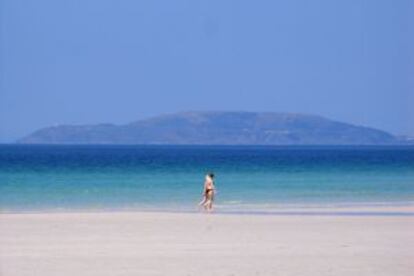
218	128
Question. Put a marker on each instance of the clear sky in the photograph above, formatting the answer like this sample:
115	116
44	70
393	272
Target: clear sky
116	61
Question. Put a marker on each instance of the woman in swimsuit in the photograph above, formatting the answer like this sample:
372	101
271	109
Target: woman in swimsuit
208	192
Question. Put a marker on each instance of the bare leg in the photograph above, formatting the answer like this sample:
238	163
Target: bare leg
202	202
207	204
210	205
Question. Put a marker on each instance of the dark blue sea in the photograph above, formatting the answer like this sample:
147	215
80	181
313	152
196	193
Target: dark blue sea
112	177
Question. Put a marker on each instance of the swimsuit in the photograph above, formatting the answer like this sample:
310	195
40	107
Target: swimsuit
208	194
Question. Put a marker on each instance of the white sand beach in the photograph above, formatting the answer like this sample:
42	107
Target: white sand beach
150	243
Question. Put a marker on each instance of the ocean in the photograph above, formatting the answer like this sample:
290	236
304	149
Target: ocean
120	177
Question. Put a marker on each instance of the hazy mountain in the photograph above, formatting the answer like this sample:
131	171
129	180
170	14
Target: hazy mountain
224	128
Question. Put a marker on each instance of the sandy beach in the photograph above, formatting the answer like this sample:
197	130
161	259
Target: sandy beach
151	243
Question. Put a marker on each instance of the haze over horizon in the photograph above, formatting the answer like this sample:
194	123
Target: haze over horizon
91	61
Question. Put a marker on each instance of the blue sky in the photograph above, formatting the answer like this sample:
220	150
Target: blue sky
93	61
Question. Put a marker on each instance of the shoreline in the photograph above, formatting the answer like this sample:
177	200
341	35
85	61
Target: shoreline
339	209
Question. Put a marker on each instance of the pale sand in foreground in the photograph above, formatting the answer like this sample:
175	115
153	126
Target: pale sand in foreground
133	243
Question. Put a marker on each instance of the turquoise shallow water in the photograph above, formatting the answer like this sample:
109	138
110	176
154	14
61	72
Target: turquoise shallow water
50	177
